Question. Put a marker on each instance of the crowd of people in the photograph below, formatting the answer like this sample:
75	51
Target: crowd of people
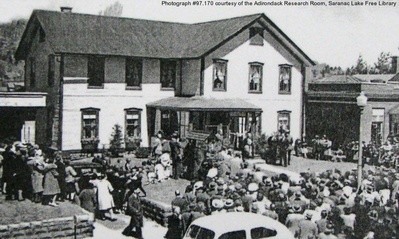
27	173
378	154
322	205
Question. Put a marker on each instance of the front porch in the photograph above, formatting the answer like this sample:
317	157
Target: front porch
234	117
18	112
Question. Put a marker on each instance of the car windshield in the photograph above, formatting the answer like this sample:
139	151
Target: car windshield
196	232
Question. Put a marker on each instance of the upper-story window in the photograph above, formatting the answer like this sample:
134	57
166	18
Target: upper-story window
255	77
256	36
32	72
134	69
95	71
51	70
90	123
285	79
219	75
168	74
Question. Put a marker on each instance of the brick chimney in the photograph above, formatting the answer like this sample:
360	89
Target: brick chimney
66	9
395	65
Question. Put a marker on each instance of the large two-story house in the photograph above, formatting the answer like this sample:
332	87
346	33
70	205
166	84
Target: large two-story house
239	75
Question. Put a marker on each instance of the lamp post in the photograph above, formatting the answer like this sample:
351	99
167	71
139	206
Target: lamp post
361	101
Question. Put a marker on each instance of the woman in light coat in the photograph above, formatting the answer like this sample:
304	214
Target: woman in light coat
50	187
37	166
104	197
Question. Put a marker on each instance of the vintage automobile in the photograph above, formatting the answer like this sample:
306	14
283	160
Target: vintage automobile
237	225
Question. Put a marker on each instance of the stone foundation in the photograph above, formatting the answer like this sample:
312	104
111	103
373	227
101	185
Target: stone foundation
78	226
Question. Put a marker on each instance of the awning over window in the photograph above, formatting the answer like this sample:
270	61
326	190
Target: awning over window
199	103
22	99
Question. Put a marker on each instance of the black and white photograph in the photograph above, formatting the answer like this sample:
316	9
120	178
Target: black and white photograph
199	119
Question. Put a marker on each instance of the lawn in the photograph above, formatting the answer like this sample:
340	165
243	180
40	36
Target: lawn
164	192
26	211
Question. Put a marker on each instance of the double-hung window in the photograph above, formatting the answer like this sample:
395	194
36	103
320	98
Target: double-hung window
134	69
90	123
168	74
285	79
219	75
255	77
95	71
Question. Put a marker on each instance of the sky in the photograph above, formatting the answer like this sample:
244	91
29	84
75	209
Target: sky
335	35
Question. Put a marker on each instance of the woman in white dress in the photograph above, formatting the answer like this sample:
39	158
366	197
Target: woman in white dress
104	197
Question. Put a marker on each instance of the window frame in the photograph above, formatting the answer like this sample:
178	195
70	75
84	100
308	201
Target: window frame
100	60
380	122
90	111
133	111
280	90
129	64
280	113
165	66
219	61
255	64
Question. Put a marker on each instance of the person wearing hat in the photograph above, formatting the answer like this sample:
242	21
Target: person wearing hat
270	212
175	225
179	201
176	156
235	164
293	218
348	217
317	147
88	198
328	233
135	211
217	206
37	165
247	146
229	205
322	222
288	141
307	228
157	146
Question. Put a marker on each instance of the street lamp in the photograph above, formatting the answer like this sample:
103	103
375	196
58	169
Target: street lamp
361	101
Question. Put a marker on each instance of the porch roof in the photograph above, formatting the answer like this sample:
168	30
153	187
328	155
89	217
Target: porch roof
23	99
199	103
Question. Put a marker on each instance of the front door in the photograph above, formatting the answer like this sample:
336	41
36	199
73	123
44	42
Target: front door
28	132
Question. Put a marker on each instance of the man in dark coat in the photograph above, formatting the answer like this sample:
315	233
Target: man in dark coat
175	154
175	225
135	211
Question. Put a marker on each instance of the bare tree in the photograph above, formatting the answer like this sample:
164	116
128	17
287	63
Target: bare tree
113	10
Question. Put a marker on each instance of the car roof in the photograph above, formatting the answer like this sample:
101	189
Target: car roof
234	221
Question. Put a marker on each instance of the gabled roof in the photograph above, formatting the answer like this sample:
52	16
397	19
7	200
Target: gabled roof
93	34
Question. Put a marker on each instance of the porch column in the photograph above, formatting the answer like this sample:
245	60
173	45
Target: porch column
253	124
157	122
184	123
